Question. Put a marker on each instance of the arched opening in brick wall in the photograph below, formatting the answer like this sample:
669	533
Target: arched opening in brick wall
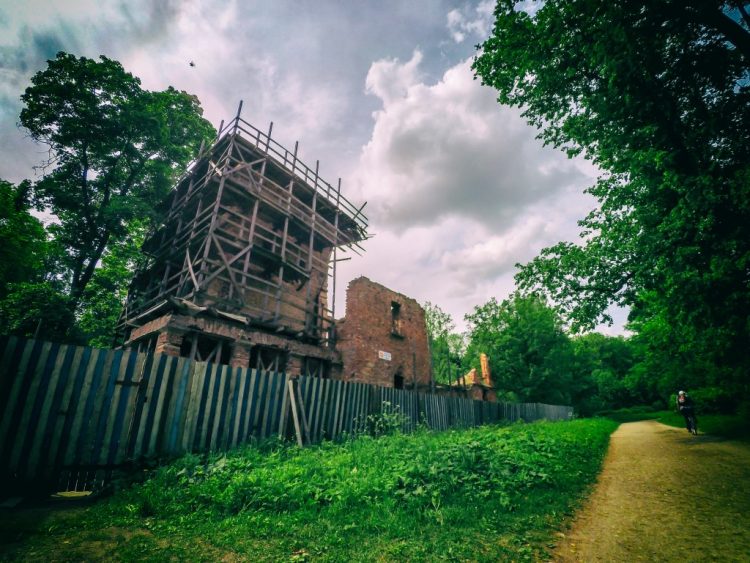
398	381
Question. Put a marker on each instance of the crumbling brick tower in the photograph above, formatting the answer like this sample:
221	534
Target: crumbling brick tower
238	271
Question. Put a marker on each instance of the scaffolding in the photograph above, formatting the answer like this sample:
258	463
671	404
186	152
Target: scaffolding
251	235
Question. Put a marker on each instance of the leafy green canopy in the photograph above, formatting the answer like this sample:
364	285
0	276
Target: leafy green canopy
530	356
101	303
115	150
36	310
24	244
604	377
446	346
657	95
533	359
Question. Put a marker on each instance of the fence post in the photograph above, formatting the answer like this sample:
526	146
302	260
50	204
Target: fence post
301	427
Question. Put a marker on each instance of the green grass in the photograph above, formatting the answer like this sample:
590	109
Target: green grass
632	414
485	494
734	427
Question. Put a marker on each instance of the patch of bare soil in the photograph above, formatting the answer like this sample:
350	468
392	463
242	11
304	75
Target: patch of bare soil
664	495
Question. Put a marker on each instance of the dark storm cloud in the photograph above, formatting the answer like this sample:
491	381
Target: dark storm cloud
34	48
33	36
148	20
17	63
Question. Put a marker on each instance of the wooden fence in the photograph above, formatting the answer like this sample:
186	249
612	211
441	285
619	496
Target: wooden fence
69	415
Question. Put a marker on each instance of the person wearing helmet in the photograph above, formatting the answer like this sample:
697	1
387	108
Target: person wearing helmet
687	409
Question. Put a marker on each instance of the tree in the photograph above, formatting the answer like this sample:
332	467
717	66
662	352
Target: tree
602	370
672	357
37	310
115	150
446	346
104	296
24	243
657	95
530	355
30	305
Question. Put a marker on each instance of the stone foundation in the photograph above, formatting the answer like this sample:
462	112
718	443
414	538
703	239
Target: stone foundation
171	329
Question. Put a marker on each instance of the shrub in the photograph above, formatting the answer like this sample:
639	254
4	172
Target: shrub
630	414
743	410
417	472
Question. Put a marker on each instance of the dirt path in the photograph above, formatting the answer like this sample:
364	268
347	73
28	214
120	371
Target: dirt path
665	495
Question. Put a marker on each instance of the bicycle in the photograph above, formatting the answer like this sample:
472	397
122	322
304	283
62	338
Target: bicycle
692	423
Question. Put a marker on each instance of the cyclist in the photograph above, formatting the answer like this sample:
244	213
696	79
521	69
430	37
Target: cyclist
687	409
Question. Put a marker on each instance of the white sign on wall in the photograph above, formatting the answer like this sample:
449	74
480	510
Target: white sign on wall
384	355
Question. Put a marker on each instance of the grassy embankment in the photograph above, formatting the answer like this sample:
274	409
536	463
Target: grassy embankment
487	494
732	426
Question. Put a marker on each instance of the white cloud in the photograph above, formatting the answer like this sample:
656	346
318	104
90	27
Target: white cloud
459	189
531	7
449	150
156	41
467	22
221	77
390	80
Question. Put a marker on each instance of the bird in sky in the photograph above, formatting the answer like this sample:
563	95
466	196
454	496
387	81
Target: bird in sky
191	63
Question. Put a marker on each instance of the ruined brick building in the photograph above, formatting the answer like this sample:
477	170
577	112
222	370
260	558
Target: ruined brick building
382	339
239	272
478	386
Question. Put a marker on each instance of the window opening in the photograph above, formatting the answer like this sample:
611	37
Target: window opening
265	358
395	319
203	348
146	345
315	367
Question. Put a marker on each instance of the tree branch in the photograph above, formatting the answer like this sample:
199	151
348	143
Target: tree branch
81	280
77	290
719	21
85	190
745	15
113	167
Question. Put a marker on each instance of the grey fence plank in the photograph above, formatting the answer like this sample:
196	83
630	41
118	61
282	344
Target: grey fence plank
139	435
250	404
194	408
46	408
59	432
24	395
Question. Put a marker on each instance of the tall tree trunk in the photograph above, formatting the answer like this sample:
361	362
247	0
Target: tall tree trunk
79	285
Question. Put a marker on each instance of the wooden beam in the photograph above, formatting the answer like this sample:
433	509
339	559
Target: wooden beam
190	269
297	411
335	246
228	268
313	217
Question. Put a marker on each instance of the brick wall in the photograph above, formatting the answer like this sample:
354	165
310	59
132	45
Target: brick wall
375	347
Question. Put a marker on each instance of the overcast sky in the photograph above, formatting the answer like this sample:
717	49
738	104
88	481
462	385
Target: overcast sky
458	189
